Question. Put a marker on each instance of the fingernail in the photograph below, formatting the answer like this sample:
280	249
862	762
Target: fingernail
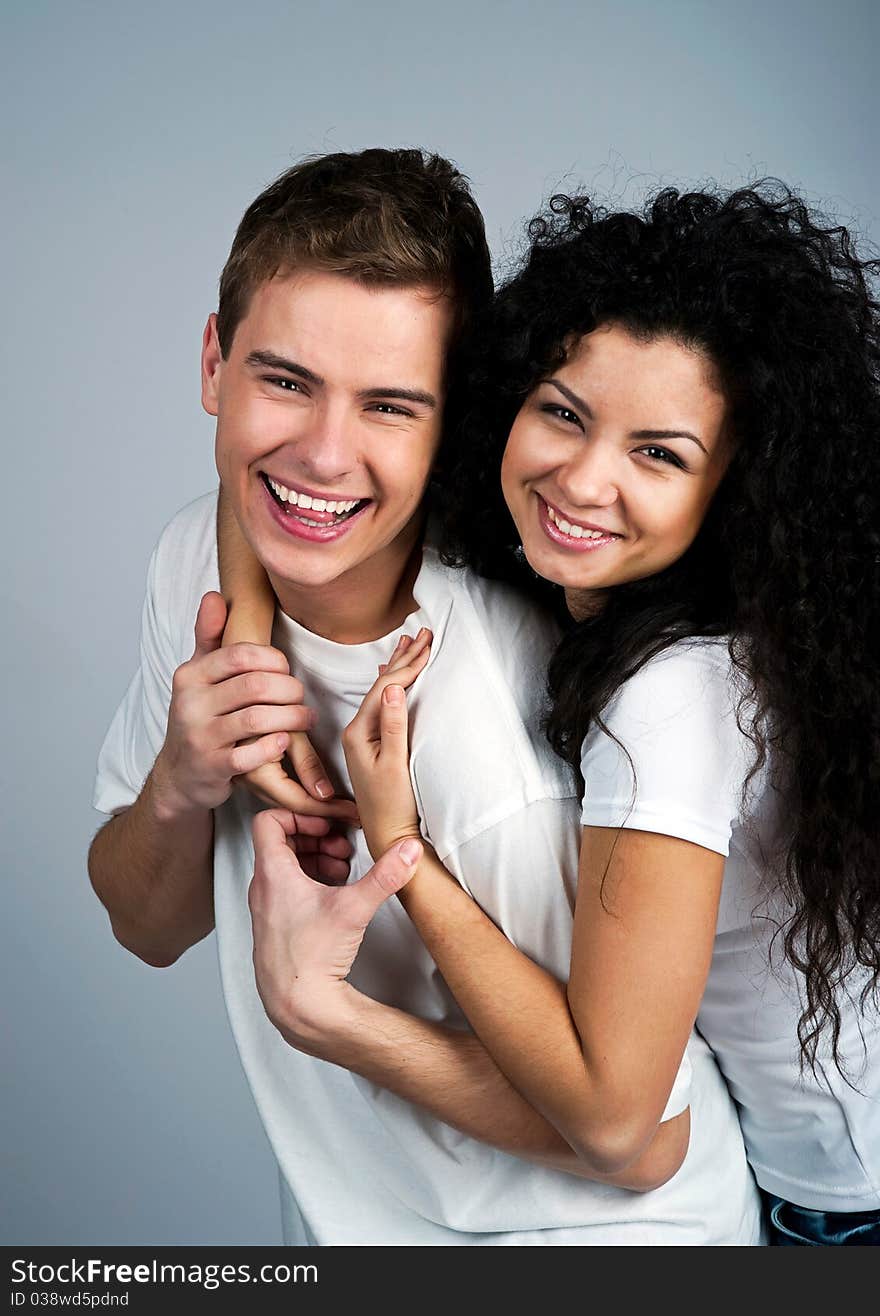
323	788
409	851
393	694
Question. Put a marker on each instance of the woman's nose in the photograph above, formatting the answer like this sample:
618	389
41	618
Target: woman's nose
591	478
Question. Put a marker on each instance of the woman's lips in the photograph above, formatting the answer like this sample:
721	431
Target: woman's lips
582	545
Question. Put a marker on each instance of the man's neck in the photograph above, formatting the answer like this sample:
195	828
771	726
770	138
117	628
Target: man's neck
369	601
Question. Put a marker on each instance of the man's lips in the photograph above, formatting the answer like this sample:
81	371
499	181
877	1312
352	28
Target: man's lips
321	494
325	526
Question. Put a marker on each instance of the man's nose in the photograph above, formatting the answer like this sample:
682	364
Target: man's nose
592	477
327	449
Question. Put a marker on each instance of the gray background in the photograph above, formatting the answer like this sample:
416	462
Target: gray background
135	137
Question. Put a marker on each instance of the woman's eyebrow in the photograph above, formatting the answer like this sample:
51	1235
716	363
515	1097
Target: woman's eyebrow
636	434
669	434
571	397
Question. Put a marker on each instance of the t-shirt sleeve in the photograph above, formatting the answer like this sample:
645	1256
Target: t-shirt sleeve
672	759
137	731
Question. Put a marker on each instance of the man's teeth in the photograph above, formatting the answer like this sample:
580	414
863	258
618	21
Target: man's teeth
575	531
305	501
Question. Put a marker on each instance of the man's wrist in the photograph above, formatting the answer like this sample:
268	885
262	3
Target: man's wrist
319	1020
170	805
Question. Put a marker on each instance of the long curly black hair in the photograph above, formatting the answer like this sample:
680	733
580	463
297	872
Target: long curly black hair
787	562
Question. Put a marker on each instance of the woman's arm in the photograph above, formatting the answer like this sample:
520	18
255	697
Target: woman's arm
306	936
243	582
598	1059
251	602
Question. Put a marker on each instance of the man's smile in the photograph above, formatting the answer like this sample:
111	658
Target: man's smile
308	516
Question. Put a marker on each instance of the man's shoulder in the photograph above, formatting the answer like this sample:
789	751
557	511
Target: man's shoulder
184	567
479	749
506	616
509	637
188	543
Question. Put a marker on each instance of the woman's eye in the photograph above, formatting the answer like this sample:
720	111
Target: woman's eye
562	413
663	455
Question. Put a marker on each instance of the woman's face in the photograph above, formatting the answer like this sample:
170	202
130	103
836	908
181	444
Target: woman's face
612	462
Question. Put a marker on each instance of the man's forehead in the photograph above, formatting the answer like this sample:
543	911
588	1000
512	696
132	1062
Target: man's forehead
335	326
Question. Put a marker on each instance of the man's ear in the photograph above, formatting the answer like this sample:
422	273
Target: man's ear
212	364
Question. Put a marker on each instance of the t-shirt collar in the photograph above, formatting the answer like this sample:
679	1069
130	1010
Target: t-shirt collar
359	662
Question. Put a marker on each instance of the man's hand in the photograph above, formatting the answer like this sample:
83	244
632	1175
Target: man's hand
323	852
219	698
376	746
307	933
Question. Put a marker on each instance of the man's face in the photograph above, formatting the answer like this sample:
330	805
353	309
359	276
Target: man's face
329	412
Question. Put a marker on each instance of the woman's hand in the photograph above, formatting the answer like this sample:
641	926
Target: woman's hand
376	746
308	792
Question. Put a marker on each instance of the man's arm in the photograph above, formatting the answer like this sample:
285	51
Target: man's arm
306	937
452	1076
151	865
152	869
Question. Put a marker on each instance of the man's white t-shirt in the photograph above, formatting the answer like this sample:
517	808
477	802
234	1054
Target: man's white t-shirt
358	1164
812	1141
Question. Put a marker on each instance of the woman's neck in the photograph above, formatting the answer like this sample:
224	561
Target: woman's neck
584	603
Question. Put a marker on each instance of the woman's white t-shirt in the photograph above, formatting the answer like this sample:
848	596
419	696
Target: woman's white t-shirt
812	1140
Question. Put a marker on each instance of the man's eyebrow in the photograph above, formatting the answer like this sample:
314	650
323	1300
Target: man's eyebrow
571	397
276	362
669	434
636	434
273	361
403	394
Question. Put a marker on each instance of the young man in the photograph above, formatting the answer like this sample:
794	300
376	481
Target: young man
349	287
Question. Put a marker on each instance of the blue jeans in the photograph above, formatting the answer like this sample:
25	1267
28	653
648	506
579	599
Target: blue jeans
798	1226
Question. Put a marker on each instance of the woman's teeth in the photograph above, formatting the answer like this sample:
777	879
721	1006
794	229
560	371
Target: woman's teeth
574	531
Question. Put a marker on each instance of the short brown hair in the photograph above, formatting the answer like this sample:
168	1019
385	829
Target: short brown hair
396	217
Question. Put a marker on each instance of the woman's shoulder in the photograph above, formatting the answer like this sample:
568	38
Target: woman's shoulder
668	754
695	672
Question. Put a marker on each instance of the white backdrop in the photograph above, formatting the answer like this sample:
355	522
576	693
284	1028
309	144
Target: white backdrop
135	137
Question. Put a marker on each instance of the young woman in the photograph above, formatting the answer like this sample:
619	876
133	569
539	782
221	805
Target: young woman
689	400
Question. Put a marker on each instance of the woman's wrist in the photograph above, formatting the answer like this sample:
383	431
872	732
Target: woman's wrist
247	625
384	836
431	884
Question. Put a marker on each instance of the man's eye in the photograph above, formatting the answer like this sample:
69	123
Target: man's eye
663	455
289	385
389	409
